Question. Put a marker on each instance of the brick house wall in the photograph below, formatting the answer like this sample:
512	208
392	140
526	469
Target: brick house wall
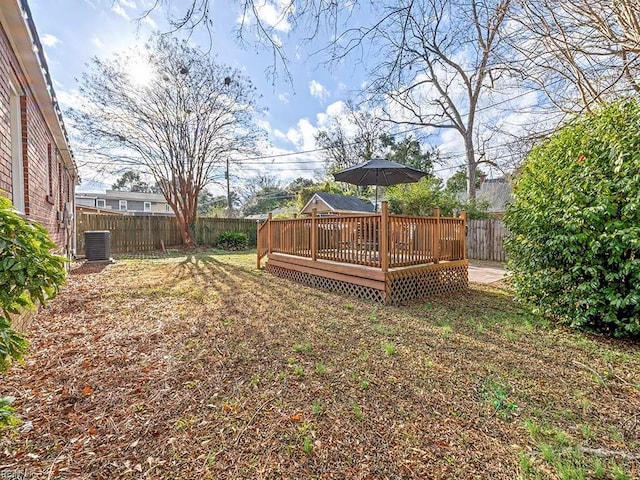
48	180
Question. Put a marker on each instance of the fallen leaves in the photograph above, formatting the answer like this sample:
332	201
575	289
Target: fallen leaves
87	390
135	378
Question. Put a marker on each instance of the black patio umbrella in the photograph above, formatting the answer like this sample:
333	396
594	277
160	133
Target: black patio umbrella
379	172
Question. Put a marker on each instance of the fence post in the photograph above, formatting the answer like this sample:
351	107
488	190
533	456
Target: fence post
463	240
314	234
384	237
269	240
436	253
258	244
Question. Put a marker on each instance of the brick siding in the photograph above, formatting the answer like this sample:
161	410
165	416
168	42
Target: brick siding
47	183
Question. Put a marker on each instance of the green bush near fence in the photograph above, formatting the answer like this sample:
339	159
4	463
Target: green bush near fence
232	241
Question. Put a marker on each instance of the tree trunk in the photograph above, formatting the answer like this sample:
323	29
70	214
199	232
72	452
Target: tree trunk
186	231
471	168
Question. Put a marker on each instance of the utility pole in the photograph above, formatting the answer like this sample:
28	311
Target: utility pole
226	175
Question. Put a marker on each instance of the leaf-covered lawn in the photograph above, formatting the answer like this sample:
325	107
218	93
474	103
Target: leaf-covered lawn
203	367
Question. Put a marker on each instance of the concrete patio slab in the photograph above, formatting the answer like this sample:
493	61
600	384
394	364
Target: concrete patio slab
485	275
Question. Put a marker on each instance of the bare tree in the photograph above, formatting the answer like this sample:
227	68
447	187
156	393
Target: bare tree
439	58
578	52
352	138
432	60
179	125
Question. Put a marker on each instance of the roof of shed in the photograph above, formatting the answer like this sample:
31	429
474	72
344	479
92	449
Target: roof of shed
339	202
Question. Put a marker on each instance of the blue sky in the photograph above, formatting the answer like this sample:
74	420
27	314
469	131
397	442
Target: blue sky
76	30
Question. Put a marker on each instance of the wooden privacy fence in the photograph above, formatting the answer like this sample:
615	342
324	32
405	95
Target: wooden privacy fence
485	240
207	229
374	240
144	233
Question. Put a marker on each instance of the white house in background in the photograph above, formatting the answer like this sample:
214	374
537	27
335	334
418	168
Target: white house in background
126	203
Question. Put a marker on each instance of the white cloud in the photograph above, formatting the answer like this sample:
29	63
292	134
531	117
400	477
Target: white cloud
264	125
71	99
277	41
129	3
318	90
279	134
97	42
49	40
335	111
336	108
303	135
151	22
118	10
284	98
272	14
294	136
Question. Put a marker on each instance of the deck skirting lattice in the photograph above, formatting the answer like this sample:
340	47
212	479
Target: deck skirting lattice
412	284
401	285
317	281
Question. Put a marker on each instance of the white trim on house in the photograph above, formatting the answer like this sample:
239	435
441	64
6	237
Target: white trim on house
146	206
17	164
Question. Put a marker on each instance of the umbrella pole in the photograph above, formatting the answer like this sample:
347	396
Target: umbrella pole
376	198
376	206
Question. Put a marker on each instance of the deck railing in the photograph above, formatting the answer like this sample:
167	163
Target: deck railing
376	240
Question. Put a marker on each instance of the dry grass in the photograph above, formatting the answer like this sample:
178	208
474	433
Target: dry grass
203	367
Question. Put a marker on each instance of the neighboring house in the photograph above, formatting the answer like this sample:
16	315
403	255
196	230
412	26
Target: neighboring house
497	192
96	211
127	203
37	169
334	204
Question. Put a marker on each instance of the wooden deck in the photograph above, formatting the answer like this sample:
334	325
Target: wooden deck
416	258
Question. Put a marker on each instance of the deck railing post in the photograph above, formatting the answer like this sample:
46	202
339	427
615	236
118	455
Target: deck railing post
269	238
314	234
436	234
384	237
463	234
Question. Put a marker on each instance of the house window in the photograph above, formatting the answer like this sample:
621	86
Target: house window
147	206
101	203
17	166
123	205
167	208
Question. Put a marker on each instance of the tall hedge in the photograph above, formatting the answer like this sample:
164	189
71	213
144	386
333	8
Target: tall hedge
575	223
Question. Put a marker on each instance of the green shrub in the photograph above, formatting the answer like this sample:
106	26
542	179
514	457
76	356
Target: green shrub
575	224
233	241
29	274
422	197
7	417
